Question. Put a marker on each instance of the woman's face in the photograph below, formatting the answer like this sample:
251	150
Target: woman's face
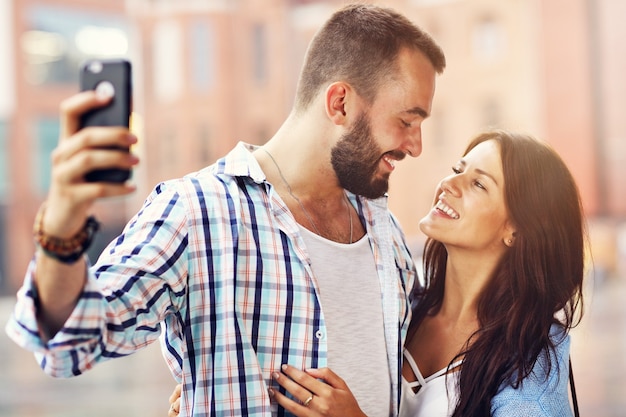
469	210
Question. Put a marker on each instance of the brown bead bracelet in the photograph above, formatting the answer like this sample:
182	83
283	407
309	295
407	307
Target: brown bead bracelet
65	250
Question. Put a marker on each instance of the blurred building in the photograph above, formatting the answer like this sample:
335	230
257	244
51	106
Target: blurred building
547	67
210	73
42	46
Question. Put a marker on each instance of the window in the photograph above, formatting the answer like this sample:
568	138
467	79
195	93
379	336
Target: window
202	55
168	165
432	2
47	137
491	113
7	58
4	249
4	161
488	40
58	39
259	45
168	57
205	150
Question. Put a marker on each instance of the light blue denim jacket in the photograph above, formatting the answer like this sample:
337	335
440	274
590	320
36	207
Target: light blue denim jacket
538	396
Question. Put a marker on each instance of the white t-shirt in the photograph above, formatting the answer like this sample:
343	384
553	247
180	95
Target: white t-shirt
351	301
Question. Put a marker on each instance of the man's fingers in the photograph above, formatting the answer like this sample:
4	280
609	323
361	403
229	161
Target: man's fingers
78	153
92	191
93	138
74	170
73	107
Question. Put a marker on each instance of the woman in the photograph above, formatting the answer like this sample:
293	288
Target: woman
503	287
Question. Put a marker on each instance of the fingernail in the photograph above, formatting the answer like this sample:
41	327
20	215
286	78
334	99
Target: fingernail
271	392
283	367
275	375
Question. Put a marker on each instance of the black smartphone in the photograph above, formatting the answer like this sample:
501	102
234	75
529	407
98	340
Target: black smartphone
116	76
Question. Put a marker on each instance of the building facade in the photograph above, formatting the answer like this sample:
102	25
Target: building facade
208	74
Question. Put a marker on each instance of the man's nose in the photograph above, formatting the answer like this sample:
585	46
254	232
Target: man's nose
414	144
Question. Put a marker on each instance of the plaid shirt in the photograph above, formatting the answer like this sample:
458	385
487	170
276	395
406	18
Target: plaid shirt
218	258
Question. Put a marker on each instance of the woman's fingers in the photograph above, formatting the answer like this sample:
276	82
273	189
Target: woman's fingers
328	376
300	385
309	392
318	392
315	384
176	393
174	399
293	407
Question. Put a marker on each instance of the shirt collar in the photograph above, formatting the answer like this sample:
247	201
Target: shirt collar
240	162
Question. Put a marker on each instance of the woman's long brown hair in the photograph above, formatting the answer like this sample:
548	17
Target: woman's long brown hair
538	282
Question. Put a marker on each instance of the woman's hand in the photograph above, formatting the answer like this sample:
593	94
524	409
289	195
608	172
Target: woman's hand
320	392
175	402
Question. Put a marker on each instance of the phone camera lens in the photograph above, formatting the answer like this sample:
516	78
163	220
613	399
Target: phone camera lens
95	67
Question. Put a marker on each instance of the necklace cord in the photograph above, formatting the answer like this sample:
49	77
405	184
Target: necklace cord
306	213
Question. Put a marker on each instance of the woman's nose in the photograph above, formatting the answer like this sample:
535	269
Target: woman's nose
450	185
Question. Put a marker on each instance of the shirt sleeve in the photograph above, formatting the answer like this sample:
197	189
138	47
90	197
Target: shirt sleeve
544	393
139	279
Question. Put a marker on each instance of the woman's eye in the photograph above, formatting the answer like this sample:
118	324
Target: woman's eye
456	170
479	185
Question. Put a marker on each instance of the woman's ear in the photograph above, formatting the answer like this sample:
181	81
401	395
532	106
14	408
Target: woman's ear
337	95
509	236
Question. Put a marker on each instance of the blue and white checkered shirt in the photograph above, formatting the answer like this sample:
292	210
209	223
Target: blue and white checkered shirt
218	258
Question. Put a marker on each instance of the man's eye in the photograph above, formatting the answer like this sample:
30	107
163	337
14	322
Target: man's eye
405	124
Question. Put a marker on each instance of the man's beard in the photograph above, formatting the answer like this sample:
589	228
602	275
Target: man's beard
356	158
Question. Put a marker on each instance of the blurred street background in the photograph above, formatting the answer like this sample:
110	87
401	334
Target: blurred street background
139	385
210	73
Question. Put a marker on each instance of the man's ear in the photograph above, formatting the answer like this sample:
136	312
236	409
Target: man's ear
337	96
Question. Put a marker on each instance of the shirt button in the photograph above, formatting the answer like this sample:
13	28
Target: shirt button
319	334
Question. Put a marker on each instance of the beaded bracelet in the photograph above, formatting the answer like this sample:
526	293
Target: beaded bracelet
65	250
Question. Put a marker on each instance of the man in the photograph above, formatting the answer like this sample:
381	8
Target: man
284	253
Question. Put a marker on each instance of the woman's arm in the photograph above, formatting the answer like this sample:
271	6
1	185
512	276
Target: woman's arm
320	392
544	393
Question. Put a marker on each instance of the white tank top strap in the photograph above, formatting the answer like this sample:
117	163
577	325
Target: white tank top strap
420	378
418	375
432	396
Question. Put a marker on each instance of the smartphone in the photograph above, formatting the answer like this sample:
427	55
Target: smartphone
115	75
